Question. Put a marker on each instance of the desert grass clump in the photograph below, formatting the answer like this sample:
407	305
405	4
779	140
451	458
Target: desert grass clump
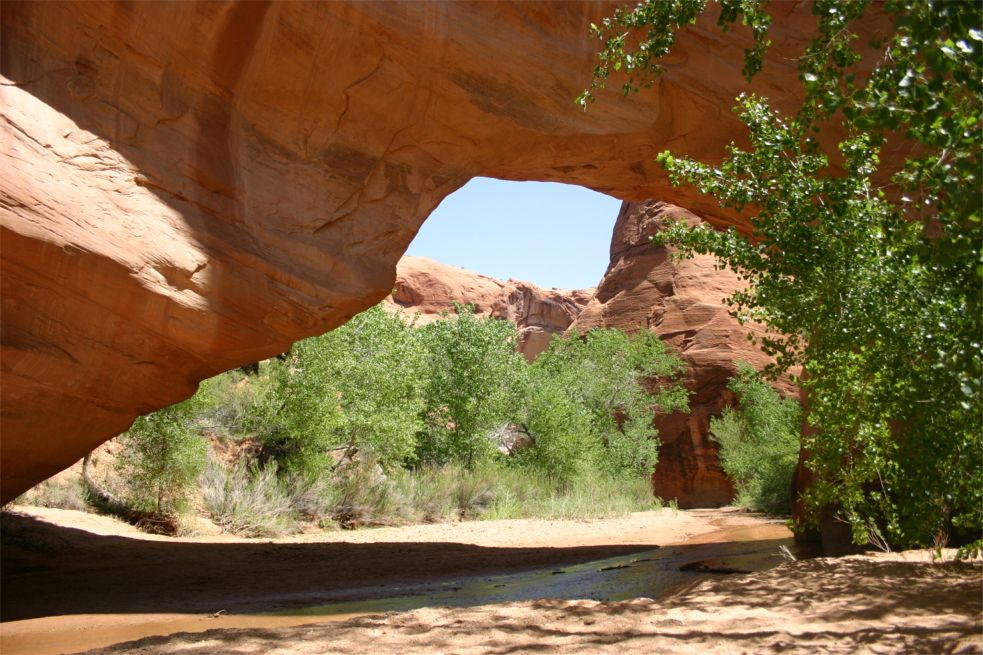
67	494
475	489
523	493
367	497
429	492
247	500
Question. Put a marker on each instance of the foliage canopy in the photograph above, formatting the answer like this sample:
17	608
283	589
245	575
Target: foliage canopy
444	393
871	271
357	388
477	381
162	457
759	443
590	406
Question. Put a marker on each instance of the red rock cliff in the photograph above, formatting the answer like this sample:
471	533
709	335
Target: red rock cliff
190	186
682	302
429	287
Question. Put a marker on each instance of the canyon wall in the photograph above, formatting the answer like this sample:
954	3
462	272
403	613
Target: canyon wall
429	288
186	187
682	302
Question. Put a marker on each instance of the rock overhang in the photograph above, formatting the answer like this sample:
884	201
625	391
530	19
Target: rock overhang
192	186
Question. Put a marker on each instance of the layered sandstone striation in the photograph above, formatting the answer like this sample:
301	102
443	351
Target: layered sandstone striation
684	303
190	186
429	288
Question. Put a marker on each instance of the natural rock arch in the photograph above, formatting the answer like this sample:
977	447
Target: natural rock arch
188	187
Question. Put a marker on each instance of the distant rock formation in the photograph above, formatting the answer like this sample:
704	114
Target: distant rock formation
430	287
682	302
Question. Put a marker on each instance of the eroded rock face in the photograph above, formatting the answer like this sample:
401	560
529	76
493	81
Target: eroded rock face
190	186
682	302
430	288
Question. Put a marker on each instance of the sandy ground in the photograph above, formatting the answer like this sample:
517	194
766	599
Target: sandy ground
853	605
100	582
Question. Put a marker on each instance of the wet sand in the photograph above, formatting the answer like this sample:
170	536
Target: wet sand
70	589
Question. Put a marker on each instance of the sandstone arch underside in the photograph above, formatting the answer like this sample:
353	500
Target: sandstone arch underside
187	187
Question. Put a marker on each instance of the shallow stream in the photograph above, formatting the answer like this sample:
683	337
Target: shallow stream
650	573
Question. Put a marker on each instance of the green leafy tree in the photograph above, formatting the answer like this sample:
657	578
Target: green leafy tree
759	443
378	368
162	456
296	417
476	383
871	273
590	403
356	388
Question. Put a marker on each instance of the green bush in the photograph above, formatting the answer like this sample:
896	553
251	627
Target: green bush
227	402
477	381
382	423
759	443
590	406
161	459
357	388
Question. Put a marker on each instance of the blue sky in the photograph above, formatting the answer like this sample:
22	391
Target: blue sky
554	235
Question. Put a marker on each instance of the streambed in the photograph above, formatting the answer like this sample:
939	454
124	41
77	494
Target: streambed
432	574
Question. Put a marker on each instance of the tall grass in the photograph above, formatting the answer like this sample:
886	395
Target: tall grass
520	493
253	502
66	494
247	501
492	491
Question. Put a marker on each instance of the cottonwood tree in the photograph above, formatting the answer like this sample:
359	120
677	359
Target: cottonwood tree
476	382
357	389
870	270
592	401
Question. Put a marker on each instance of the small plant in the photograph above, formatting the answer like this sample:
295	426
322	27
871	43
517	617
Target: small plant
69	494
161	459
366	497
759	443
474	491
246	500
523	492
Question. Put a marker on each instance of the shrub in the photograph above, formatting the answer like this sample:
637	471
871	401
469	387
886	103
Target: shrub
522	492
429	492
366	497
161	459
295	418
247	500
475	490
227	402
69	494
561	430
357	388
439	399
476	382
590	406
759	443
